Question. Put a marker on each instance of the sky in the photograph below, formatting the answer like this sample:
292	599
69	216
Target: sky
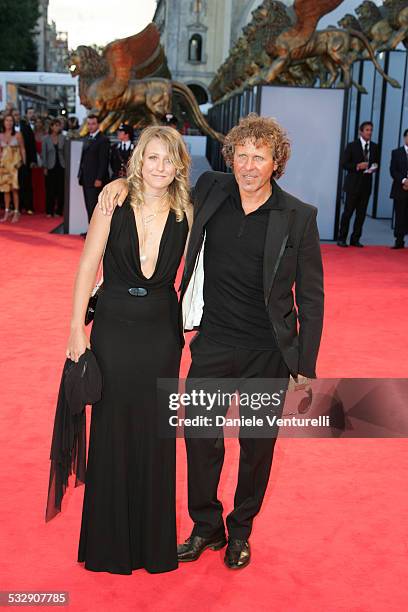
347	6
100	21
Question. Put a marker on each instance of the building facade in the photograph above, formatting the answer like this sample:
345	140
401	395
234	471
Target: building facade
52	45
198	34
196	38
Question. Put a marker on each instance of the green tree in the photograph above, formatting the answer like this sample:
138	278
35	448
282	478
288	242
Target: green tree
18	23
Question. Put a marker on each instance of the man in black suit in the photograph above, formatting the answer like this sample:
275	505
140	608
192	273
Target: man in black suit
360	159
250	243
399	191
121	151
93	171
26	127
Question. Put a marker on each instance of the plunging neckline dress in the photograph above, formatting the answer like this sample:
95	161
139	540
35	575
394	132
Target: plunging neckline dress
128	517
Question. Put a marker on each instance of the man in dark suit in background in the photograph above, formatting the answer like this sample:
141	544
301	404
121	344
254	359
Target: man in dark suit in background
360	159
399	191
26	127
93	171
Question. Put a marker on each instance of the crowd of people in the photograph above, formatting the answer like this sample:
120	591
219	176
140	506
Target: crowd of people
32	162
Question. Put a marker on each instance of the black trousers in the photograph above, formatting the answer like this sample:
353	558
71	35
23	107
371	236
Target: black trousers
401	217
91	195
355	202
54	186
205	456
26	187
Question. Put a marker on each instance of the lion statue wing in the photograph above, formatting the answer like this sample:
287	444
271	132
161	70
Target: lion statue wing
126	55
308	14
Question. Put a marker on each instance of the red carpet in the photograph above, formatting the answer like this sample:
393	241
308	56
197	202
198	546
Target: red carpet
333	533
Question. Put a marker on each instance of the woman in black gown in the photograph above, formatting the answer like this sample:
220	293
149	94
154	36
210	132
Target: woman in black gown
128	518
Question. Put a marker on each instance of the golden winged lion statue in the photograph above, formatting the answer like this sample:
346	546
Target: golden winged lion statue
281	45
130	83
337	47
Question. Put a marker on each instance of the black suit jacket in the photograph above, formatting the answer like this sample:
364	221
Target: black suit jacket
292	256
94	164
29	142
399	171
356	181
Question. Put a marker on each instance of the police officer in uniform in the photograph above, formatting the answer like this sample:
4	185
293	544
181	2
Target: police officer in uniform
121	151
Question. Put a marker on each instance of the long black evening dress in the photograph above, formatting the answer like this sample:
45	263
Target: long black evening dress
128	517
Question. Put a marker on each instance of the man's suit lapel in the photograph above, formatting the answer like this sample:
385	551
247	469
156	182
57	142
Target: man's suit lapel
86	145
404	159
360	149
214	198
277	234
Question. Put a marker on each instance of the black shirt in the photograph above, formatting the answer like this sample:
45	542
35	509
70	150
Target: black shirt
234	307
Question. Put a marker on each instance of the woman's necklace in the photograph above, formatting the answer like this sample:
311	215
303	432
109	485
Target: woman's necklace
8	136
145	222
155	195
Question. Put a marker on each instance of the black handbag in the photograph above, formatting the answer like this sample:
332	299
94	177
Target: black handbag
93	300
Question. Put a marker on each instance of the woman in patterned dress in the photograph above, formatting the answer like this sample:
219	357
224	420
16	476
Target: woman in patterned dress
12	156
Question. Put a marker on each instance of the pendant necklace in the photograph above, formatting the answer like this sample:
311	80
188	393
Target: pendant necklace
145	221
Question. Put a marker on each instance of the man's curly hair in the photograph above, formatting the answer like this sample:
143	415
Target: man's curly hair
262	131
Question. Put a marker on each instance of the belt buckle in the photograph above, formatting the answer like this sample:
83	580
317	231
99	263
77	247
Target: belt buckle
137	291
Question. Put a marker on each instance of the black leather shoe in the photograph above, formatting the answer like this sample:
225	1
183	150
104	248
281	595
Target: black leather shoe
238	554
398	245
195	545
356	244
342	243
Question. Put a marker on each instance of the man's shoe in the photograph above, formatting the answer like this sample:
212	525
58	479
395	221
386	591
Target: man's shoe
398	245
195	545
356	244
342	243
238	554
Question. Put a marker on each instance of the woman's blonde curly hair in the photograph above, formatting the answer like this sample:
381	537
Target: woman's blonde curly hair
179	189
263	131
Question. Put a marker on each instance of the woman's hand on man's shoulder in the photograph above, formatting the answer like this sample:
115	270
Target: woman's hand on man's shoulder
112	195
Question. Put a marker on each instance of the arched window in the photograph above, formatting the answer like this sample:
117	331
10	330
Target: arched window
199	93
195	48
